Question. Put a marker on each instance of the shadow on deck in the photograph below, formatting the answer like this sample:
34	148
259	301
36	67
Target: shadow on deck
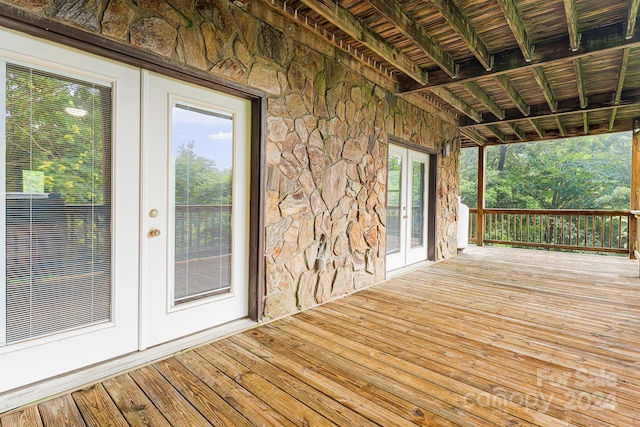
496	336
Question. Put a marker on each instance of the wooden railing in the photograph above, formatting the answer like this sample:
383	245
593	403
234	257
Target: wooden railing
202	231
572	229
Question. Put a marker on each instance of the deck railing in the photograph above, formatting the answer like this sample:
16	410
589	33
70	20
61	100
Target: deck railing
570	229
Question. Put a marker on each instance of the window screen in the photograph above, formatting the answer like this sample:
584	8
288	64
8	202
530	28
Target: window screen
57	203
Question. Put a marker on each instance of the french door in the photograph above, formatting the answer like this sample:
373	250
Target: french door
69	156
124	211
195	209
407	184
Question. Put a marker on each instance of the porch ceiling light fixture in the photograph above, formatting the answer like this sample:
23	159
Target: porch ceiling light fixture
75	112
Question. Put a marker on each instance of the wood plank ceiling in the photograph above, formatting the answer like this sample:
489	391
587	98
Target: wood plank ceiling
510	70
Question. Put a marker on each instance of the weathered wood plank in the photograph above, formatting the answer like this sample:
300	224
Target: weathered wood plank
213	407
133	403
402	382
572	24
471	369
479	94
410	28
250	406
344	20
61	411
297	412
513	93
457	103
171	404
518	29
97	408
28	417
319	402
399	412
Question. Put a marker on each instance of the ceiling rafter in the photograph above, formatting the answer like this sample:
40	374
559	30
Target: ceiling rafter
453	15
477	92
572	24
600	102
537	127
517	131
541	78
577	65
457	103
617	95
585	120
493	129
518	29
513	93
560	125
553	52
631	18
348	23
474	136
409	27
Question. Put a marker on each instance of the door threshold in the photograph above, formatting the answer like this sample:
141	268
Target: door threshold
83	377
406	269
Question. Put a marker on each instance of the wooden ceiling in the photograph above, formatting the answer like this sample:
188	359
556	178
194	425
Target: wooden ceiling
510	70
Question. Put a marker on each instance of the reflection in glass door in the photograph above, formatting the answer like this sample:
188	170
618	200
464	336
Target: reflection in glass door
202	161
195	209
407	181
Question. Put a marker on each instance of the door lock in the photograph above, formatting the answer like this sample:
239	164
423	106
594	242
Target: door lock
154	232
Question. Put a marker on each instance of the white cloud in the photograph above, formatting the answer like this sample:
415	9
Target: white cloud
220	136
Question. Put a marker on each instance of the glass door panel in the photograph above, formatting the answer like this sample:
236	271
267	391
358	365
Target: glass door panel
57	203
406	207
203	169
394	203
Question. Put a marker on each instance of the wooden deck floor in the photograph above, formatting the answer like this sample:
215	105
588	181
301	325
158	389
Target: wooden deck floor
493	337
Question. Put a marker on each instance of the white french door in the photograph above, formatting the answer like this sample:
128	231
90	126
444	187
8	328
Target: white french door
195	209
68	247
407	184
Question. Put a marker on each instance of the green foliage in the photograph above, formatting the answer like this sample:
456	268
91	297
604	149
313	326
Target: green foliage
198	181
591	172
42	136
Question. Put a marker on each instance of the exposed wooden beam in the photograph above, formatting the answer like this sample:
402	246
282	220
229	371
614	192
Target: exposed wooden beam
541	78
519	132
497	132
343	19
453	15
594	129
612	118
560	126
538	128
572	24
449	97
437	109
585	121
410	28
598	102
485	99
577	65
622	74
631	18
617	95
513	93
474	136
517	27
551	53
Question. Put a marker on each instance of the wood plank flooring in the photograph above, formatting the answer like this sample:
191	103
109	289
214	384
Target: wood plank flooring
494	337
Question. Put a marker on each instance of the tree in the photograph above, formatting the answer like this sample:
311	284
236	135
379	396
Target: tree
43	137
197	179
590	172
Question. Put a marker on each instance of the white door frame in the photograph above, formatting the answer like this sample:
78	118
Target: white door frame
406	255
161	319
33	360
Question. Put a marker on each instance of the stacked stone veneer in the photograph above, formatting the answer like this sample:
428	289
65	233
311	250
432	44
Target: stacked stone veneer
326	145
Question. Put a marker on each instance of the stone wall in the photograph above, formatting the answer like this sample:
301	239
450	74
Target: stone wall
326	147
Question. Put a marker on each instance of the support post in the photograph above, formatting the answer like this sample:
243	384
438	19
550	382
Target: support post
635	189
482	172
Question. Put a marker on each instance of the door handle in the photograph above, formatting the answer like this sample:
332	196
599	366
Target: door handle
154	232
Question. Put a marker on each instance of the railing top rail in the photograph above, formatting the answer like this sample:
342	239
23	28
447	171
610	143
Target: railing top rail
557	211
